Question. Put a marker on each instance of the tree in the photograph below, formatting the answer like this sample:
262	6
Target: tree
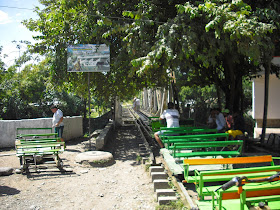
111	22
215	42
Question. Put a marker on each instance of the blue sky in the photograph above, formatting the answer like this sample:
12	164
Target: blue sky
12	12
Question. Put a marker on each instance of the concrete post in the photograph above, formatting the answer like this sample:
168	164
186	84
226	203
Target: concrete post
118	112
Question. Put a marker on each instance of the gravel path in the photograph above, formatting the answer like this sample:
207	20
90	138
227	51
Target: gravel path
124	185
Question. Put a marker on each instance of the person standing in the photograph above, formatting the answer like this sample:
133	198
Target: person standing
172	119
136	104
57	121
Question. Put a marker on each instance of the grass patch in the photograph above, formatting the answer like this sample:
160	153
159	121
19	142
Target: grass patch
173	205
147	166
138	159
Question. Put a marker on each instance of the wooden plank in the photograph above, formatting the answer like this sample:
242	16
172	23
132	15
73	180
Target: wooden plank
208	153
34	135
228	177
234	160
201	136
238	171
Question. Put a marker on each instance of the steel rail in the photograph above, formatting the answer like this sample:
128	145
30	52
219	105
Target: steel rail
140	124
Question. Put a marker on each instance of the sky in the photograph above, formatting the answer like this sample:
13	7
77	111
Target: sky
12	12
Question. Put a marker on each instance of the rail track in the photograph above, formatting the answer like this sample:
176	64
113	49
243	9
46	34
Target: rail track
141	120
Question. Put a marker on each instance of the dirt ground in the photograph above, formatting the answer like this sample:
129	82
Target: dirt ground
123	185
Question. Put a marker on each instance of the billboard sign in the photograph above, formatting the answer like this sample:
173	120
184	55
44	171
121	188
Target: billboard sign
88	58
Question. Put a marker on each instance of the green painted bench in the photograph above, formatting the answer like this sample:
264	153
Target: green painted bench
25	136
248	195
213	176
182	128
43	132
38	140
184	131
29	150
207	148
168	140
30	146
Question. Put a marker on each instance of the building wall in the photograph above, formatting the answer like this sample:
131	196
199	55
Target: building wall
273	114
73	128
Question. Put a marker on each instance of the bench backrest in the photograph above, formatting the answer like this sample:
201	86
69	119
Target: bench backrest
181	128
36	135
234	160
214	145
225	161
20	131
189	131
207	143
211	135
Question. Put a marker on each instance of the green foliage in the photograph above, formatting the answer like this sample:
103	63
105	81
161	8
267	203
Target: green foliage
214	42
211	42
200	100
28	94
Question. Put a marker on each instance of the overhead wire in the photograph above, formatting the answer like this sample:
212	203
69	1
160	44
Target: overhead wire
10	7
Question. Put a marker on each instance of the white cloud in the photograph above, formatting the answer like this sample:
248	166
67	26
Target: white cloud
21	26
4	18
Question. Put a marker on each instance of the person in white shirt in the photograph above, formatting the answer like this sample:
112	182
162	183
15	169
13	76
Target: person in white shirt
136	104
57	121
172	119
220	121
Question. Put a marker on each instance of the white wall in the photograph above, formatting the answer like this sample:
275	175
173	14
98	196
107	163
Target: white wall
73	127
273	112
273	98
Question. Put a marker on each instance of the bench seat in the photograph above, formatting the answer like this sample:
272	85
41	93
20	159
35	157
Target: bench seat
247	194
213	176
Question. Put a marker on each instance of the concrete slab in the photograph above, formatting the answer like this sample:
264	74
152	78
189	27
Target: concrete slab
158	175
95	159
156	169
165	193
166	200
161	184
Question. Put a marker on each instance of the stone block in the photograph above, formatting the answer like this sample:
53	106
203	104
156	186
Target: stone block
166	200
158	175
165	193
161	184
6	171
156	169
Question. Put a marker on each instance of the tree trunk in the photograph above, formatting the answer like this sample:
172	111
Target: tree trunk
231	79
219	96
237	94
266	90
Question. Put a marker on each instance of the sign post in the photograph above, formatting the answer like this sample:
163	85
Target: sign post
89	113
88	58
